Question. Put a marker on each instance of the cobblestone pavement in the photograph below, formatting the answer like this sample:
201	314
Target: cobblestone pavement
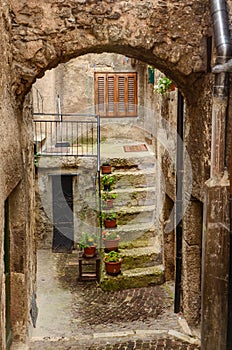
153	343
138	308
139	318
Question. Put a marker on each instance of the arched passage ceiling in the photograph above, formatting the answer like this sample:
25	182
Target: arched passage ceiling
168	34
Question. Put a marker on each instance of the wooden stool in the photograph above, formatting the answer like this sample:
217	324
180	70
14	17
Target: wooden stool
89	275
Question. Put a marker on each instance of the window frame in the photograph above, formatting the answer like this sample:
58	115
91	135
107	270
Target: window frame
106	96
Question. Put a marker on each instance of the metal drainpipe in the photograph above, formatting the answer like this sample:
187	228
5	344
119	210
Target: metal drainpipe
223	45
219	14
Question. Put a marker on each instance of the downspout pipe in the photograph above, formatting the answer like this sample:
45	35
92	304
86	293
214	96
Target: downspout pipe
223	45
219	15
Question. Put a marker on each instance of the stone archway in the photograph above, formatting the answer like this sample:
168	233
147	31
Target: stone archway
47	33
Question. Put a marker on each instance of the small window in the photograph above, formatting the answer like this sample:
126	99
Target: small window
116	94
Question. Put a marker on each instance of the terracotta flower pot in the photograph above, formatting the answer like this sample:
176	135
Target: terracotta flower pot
106	169
111	244
110	223
90	252
113	268
109	203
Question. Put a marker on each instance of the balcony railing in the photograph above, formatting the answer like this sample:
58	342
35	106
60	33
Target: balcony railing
67	135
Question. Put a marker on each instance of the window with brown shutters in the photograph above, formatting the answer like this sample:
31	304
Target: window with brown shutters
116	94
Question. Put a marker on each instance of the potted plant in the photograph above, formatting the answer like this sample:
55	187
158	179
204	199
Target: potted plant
163	85
109	219
111	240
88	243
106	168
108	199
107	182
113	263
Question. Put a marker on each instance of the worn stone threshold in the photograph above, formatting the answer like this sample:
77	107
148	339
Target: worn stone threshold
138	333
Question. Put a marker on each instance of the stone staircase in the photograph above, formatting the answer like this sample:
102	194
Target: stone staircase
140	240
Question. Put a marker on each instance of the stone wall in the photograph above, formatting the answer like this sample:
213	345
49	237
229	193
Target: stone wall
16	189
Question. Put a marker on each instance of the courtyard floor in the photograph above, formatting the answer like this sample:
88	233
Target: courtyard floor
79	315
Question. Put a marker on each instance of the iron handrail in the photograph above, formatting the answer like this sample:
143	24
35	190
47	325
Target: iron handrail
67	137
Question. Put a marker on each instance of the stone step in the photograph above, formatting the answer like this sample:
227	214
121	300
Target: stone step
136	214
136	235
133	278
142	256
135	179
132	236
130	162
135	196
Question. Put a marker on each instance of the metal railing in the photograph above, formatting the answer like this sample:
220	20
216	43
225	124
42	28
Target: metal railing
67	134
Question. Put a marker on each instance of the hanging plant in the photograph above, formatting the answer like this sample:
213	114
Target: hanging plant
163	85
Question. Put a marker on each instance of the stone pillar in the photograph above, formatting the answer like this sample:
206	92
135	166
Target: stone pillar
215	265
168	242
191	267
218	136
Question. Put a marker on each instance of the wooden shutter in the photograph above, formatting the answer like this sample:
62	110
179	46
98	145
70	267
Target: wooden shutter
121	100
111	95
116	94
100	85
132	96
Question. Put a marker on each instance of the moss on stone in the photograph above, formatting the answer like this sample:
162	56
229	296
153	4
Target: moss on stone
135	278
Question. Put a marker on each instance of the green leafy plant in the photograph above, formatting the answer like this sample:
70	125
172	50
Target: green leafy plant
108	215
112	257
108	180
108	195
163	85
36	159
88	240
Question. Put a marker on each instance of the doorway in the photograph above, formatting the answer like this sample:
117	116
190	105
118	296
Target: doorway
63	227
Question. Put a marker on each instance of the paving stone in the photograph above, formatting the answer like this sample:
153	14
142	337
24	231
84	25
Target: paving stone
136	318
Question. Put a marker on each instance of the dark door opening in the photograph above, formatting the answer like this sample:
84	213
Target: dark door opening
7	276
63	227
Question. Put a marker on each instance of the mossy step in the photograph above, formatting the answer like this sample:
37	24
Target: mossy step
130	234
142	256
135	196
136	214
135	179
133	278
